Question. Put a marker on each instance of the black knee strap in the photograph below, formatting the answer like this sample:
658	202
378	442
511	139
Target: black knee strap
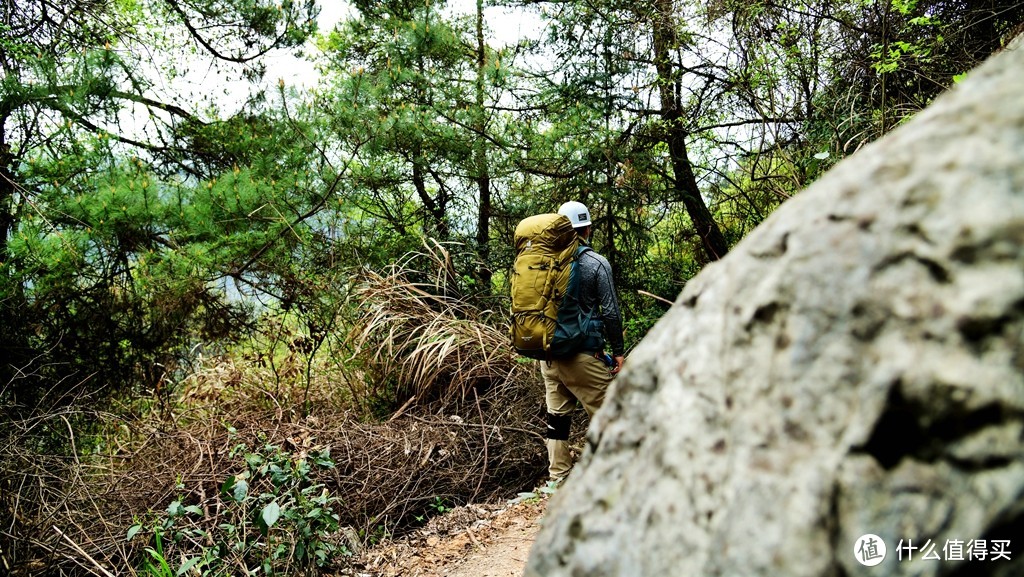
558	426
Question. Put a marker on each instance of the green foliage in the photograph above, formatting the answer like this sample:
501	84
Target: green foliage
115	270
394	98
438	505
112	255
894	55
272	518
155	564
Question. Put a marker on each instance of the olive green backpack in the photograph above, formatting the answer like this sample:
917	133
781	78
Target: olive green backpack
546	319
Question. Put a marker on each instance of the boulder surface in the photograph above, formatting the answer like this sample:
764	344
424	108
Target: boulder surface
853	367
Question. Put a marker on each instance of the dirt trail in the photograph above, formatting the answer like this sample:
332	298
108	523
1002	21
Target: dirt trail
470	541
503	555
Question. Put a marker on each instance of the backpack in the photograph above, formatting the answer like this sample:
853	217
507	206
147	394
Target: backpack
547	322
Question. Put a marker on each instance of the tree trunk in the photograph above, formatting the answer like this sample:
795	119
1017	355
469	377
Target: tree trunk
6	196
435	207
711	236
674	134
483	177
13	318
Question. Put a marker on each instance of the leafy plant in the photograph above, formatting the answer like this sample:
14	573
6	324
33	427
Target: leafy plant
438	505
275	519
155	563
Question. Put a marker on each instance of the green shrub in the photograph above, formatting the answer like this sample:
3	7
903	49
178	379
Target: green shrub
272	518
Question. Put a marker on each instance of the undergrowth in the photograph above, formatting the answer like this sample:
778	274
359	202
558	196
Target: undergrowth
274	457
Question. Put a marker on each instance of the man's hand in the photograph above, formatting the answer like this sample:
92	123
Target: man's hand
618	364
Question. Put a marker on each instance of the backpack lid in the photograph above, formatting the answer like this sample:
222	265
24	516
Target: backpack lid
546	232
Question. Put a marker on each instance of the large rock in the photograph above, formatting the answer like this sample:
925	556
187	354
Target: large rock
855	366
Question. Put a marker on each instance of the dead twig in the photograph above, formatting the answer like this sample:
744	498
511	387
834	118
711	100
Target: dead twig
80	551
483	431
655	297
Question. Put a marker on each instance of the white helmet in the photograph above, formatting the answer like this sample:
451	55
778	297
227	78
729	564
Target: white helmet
577	213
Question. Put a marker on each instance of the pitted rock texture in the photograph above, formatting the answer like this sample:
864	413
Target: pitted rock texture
854	366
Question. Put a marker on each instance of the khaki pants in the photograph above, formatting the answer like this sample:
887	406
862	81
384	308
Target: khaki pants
582	378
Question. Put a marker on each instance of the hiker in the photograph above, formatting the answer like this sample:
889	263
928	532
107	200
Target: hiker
586	375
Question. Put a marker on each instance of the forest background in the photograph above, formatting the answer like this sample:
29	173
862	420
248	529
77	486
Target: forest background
255	336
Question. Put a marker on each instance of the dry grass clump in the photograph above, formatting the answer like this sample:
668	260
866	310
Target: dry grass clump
53	517
422	342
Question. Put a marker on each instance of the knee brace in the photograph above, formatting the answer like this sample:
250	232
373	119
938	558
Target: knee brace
558	426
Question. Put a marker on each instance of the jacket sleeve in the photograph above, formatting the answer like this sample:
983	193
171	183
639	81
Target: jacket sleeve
609	304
